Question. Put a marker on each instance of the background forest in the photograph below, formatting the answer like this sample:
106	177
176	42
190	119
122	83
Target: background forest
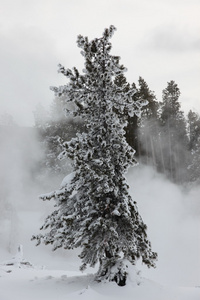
163	137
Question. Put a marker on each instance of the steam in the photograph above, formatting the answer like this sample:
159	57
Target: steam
19	164
169	155
172	215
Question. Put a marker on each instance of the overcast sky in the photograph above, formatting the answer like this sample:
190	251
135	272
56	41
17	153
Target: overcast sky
156	39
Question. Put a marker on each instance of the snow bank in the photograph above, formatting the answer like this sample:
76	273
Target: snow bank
34	284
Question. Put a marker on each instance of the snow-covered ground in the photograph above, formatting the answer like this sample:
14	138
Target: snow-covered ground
173	228
31	284
171	213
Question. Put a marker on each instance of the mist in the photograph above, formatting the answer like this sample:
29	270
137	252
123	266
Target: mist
171	212
172	215
22	180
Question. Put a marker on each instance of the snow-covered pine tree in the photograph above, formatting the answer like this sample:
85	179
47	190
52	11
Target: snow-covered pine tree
94	209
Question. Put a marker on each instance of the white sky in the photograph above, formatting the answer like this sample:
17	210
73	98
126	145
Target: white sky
156	39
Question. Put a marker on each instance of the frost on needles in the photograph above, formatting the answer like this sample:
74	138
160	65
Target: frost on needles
94	210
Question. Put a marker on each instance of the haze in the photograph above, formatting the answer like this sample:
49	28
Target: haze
158	40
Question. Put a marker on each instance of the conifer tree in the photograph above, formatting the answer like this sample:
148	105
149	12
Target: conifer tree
173	133
94	209
148	130
194	166
193	121
132	127
194	146
132	121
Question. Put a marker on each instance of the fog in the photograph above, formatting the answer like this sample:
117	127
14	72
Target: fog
171	212
22	179
172	215
158	40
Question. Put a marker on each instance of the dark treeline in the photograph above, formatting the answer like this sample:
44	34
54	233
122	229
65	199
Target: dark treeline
162	135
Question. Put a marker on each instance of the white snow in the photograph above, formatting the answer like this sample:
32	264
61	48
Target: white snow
31	284
61	279
67	181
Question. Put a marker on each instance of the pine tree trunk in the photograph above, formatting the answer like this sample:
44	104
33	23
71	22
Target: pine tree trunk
112	269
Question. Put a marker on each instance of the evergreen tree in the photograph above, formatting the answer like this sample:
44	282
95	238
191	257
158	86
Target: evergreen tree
148	131
94	209
144	92
193	129
194	167
173	134
137	127
194	146
131	130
